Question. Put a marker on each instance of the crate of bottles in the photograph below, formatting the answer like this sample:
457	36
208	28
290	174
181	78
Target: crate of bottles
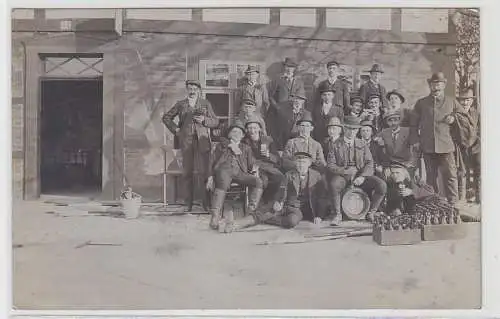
397	230
440	221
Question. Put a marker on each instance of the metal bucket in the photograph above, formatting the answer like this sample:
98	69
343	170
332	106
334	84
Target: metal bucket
131	207
355	203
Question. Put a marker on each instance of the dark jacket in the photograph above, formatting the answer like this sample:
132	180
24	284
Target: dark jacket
273	159
321	120
428	126
281	91
398	150
257	93
337	158
285	125
290	190
188	127
222	154
342	95
370	88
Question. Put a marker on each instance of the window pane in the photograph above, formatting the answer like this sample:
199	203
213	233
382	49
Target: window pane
374	19
220	103
244	15
217	75
298	17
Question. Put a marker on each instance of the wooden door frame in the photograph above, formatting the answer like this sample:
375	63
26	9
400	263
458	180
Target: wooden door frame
113	118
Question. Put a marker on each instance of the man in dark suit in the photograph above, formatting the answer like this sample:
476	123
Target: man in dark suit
300	196
283	88
253	90
339	86
373	86
288	114
350	162
196	118
326	109
232	161
430	133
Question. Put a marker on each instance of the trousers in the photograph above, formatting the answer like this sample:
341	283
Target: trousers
374	186
193	161
444	162
224	176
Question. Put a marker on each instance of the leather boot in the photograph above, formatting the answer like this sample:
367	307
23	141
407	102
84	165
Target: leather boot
217	202
253	217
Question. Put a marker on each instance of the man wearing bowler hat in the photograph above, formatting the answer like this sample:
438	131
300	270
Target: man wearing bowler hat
304	143
373	86
232	161
253	90
334	132
288	114
326	109
350	162
287	85
433	117
249	110
338	85
195	119
300	196
395	101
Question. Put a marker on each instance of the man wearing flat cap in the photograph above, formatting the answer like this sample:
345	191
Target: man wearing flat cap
373	86
356	107
232	161
266	155
300	195
195	119
325	110
304	143
350	162
287	116
253	90
338	85
431	133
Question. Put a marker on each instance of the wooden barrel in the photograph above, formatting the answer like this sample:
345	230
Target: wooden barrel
355	203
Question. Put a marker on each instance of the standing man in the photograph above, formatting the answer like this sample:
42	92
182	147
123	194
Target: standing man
195	119
372	112
325	110
287	85
281	91
288	114
232	161
471	160
350	162
395	101
430	132
253	90
249	110
373	86
339	86
304	143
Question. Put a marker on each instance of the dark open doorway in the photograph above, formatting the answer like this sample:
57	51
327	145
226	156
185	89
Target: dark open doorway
71	136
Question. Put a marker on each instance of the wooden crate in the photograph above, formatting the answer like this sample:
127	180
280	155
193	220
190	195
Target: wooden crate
443	232
397	237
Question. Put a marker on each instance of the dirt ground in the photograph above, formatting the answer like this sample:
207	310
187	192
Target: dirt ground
175	262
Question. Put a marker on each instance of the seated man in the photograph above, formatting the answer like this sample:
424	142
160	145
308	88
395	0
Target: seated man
402	192
350	162
395	143
334	131
232	161
249	110
304	143
266	155
300	195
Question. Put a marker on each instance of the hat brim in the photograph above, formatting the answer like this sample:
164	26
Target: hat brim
352	126
302	121
401	97
392	116
253	122
374	71
329	90
437	80
338	125
232	127
299	97
248	72
293	65
194	84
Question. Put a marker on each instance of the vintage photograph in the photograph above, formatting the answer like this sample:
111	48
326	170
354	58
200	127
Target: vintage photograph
246	158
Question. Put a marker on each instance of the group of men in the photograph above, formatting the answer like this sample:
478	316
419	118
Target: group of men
301	160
